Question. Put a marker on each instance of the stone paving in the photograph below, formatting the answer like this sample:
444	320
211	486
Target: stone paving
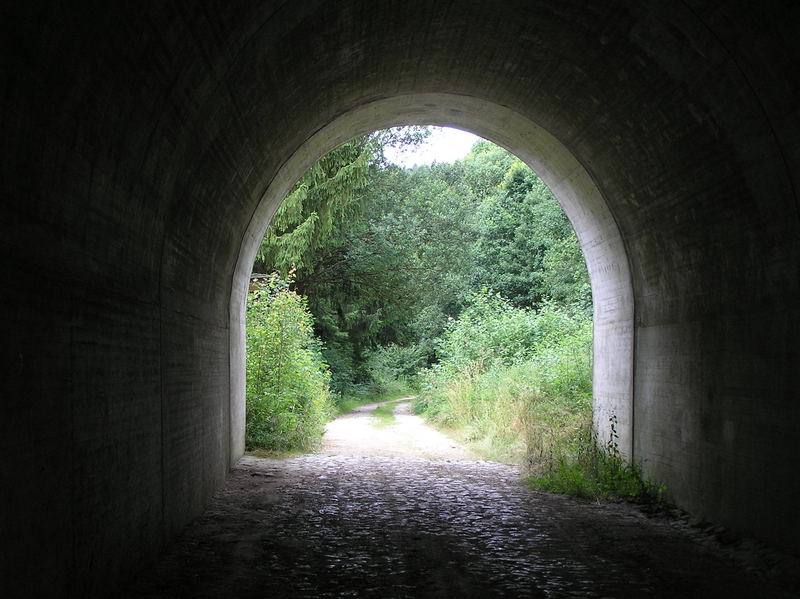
377	526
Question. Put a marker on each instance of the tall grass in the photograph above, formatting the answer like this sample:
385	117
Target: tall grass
513	413
594	470
515	385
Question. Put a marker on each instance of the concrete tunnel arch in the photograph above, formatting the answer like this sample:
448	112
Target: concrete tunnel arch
580	198
139	141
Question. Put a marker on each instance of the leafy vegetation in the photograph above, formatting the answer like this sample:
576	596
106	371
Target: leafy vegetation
527	250
515	382
596	470
288	395
463	282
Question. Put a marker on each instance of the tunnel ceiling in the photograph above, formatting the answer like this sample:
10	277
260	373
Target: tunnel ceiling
187	101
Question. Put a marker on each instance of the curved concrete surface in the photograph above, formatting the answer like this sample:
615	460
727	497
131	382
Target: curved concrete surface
144	149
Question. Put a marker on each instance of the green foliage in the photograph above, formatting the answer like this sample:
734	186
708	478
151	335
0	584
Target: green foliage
516	385
388	256
329	195
351	267
399	272
306	220
465	280
527	250
392	367
509	375
595	471
485	168
491	332
488	332
288	399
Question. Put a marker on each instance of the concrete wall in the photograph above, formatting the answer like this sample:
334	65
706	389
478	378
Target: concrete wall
144	148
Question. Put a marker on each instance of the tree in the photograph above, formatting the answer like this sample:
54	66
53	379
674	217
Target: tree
386	256
327	196
306	219
527	250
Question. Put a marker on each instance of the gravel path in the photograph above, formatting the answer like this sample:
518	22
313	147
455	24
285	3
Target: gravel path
357	433
401	511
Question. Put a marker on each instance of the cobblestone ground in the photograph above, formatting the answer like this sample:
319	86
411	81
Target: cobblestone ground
376	526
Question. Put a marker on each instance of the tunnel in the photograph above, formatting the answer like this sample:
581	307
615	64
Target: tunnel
145	147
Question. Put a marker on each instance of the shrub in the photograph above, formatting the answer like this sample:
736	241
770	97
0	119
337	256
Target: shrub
516	385
390	368
490	331
513	382
288	395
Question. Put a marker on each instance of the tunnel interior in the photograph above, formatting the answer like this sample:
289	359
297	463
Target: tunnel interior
145	149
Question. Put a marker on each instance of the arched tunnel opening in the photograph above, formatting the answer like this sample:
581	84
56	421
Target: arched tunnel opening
581	200
145	148
383	275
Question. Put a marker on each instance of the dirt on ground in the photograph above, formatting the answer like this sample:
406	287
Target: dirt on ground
358	433
401	510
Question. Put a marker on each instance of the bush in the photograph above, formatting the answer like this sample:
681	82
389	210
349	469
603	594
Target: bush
512	382
516	385
288	395
391	368
489	332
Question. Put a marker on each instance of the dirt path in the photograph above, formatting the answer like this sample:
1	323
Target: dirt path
381	512
357	433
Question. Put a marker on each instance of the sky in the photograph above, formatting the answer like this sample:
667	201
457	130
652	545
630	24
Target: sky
443	145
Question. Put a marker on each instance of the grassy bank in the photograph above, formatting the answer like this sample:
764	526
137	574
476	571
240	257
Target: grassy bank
514	385
508	415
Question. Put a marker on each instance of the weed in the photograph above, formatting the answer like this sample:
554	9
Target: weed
596	471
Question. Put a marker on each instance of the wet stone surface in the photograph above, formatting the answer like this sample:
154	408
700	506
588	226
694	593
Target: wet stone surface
350	526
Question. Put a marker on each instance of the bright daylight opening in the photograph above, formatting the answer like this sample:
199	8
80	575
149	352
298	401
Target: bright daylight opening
427	271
